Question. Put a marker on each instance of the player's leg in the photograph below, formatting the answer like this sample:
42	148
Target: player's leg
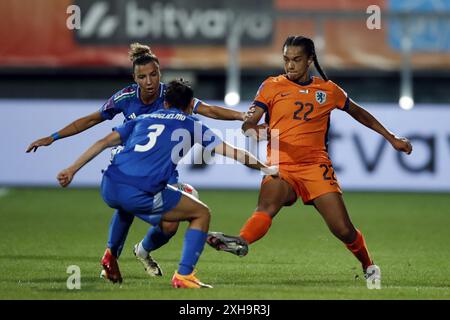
118	231
273	195
171	205
198	215
120	223
159	235
156	237
332	208
110	266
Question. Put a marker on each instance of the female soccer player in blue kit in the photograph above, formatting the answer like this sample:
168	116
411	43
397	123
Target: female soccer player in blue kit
145	96
136	181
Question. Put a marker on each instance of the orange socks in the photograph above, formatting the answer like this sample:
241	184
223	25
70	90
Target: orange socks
256	227
259	223
359	249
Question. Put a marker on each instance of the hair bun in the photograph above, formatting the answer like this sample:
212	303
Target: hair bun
138	50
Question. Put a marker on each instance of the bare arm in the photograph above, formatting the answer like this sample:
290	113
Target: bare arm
220	113
364	117
73	128
66	175
244	157
250	126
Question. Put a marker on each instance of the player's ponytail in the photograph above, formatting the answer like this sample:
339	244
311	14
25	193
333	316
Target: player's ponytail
141	54
310	50
319	68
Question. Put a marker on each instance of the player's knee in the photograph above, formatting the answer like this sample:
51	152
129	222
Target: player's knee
346	234
169	227
205	213
268	207
202	216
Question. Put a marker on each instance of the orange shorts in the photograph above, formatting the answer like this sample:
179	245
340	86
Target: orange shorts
309	181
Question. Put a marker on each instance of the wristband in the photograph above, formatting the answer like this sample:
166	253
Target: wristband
55	136
197	102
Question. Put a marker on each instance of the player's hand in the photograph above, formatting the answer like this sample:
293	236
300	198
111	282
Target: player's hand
270	171
259	132
39	143
262	131
247	115
65	177
402	144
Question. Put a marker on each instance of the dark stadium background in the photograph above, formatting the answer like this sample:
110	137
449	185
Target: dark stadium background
50	74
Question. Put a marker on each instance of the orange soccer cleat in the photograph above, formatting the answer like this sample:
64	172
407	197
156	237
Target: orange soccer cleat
188	281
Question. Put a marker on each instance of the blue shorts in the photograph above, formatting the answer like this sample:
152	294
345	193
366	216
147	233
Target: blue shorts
144	205
174	178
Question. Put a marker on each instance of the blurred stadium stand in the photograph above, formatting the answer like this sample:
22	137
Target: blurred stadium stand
42	58
51	74
363	86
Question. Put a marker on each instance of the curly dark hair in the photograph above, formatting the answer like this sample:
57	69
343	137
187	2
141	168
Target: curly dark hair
179	94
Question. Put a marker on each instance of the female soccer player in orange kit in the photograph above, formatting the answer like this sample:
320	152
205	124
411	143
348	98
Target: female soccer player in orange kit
297	109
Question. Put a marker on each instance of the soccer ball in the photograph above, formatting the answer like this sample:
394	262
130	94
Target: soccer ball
185	187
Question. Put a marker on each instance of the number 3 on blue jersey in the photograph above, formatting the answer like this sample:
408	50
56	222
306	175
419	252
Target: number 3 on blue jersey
159	128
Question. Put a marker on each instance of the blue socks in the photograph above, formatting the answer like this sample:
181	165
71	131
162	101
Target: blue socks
155	238
118	231
194	242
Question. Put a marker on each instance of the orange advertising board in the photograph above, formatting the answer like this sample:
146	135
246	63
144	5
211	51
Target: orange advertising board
193	34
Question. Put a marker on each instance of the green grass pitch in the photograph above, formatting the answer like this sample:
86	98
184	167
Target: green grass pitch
43	231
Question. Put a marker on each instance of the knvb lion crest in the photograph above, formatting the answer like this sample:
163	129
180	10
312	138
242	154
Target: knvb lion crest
321	97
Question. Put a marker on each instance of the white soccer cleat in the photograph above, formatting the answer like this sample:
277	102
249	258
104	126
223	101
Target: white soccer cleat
373	277
151	266
223	242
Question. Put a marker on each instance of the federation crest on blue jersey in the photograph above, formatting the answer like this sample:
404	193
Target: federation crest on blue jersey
321	97
124	93
108	104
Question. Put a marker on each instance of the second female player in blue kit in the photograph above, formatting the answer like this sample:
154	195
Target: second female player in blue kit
145	96
136	181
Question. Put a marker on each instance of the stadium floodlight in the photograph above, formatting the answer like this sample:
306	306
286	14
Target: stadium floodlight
232	98
406	102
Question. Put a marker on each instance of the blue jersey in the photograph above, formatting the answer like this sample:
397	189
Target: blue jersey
153	145
128	102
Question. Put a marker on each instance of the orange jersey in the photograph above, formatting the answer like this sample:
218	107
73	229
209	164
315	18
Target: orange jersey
298	116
